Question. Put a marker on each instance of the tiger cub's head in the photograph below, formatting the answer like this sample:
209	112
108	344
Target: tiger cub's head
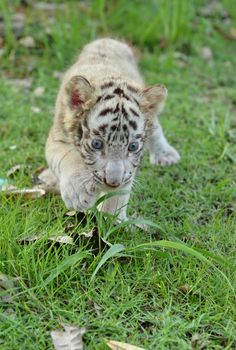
110	124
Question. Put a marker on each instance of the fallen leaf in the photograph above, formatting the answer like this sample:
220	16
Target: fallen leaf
15	169
39	91
230	35
185	288
206	53
17	24
27	42
196	341
87	234
57	75
35	109
70	339
59	239
21	83
71	213
116	345
48	7
30	193
7	284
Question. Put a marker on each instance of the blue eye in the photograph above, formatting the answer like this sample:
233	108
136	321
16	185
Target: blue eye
133	146
97	144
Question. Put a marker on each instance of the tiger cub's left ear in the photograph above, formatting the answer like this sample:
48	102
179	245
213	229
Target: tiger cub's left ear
80	93
153	99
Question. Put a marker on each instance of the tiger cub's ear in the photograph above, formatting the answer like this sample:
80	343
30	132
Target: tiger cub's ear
80	93
153	99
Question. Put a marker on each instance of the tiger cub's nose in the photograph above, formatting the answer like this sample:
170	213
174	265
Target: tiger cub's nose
112	183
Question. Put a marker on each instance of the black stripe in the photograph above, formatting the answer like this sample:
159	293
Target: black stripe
105	112
117	109
118	91
138	136
134	112
89	162
136	101
96	132
79	131
107	85
124	112
132	89
113	128
88	148
108	97
126	97
103	127
99	98
133	124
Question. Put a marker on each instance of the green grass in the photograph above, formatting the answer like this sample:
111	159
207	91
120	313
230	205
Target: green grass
159	289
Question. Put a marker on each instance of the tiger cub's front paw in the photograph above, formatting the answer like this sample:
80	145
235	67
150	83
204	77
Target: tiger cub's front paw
77	196
166	156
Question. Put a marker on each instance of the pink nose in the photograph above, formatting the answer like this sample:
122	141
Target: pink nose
112	184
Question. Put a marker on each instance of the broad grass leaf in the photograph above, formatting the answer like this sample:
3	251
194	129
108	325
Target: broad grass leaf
116	345
112	251
185	249
70	339
65	264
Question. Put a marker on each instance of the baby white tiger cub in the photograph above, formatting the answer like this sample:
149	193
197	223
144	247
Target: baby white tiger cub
104	117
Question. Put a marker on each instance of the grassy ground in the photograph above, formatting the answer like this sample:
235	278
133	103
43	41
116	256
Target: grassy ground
156	298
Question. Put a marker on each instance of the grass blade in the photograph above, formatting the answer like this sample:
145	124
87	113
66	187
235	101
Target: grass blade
112	251
185	249
65	264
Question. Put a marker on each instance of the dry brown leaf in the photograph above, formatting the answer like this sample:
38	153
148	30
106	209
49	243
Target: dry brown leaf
185	288
141	226
230	35
30	193
87	234
48	7
39	91
57	75
7	283
15	169
36	109
70	339
21	83
116	345
64	239
27	42
206	53
17	23
71	213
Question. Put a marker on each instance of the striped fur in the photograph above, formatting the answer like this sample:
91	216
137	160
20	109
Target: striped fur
102	99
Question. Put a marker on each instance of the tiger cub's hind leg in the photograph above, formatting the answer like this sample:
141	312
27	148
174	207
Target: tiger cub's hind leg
160	151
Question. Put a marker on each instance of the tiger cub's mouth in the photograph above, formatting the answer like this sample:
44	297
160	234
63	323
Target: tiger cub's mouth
112	184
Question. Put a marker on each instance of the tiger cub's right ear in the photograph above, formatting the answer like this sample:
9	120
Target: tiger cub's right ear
153	99
80	93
